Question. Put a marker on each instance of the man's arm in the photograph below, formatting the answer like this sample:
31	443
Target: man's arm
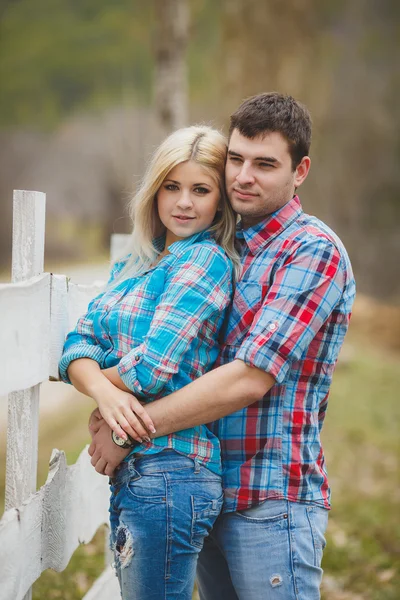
214	395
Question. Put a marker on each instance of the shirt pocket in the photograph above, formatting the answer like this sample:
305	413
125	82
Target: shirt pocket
247	301
133	315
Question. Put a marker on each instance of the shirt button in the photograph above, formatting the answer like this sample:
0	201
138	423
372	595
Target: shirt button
137	357
272	326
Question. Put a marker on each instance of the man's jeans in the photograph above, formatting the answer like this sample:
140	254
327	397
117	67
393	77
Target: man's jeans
272	552
162	507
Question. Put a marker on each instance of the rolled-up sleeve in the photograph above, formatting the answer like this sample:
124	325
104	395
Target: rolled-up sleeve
197	289
304	291
82	342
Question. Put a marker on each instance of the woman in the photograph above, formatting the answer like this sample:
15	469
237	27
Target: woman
153	330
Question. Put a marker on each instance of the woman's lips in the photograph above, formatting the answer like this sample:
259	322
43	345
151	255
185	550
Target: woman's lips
183	218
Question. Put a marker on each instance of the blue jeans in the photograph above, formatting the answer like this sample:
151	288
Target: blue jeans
272	551
162	507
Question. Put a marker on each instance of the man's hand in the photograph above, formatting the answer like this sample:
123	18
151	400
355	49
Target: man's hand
106	455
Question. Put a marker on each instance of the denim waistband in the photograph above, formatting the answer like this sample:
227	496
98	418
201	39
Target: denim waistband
164	461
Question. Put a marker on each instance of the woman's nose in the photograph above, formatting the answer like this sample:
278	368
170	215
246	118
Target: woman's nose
185	199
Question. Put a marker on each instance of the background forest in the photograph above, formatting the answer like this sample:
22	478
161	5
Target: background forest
79	115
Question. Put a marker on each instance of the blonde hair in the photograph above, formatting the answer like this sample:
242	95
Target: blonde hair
205	146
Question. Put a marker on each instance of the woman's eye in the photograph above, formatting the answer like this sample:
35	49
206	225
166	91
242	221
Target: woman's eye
171	187
201	190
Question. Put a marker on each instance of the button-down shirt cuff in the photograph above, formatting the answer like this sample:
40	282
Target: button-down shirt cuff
258	352
127	369
79	351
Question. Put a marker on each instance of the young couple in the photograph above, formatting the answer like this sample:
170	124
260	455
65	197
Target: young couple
196	327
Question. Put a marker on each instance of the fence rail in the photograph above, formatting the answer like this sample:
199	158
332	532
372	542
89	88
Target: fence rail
41	529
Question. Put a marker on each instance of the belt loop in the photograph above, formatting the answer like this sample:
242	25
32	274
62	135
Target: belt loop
196	466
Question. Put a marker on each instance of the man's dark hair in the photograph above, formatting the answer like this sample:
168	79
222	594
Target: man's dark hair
271	111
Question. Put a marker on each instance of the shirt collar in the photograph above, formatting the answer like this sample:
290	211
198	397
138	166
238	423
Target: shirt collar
259	235
180	246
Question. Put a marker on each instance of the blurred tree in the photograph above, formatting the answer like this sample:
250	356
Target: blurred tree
341	59
170	86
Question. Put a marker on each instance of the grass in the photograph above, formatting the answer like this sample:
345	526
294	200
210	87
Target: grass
361	441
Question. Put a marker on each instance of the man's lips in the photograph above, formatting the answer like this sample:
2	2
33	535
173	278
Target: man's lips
244	194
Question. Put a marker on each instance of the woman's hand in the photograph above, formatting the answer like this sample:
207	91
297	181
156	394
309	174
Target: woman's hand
123	412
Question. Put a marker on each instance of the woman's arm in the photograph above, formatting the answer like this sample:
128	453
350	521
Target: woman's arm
117	407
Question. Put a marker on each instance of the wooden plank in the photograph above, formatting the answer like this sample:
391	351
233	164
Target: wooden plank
25	328
106	587
45	531
68	302
58	320
28	234
35	317
23	406
79	297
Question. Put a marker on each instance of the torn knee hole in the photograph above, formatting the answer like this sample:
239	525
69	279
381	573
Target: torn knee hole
275	580
123	546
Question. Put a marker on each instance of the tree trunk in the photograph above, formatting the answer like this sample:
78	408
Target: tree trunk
172	28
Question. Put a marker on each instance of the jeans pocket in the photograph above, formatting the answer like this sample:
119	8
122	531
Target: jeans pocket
318	521
270	511
147	488
204	513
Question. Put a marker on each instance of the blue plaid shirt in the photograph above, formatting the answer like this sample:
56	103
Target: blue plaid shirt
161	328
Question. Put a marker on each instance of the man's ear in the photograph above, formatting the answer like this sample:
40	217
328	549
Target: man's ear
302	170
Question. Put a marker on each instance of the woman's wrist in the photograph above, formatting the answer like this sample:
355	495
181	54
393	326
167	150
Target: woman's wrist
97	386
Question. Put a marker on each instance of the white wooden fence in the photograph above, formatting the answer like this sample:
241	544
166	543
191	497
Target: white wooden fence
41	529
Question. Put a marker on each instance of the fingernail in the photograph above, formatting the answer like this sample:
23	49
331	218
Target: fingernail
147	439
152	430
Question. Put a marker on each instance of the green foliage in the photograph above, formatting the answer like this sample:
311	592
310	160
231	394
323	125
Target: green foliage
59	56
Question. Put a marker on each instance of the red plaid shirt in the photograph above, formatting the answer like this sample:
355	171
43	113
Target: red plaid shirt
290	313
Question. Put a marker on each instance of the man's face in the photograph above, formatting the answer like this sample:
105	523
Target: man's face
259	176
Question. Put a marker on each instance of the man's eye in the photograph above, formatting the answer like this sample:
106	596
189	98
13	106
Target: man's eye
201	190
235	159
265	165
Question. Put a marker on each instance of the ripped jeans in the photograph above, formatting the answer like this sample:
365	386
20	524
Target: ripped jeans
161	509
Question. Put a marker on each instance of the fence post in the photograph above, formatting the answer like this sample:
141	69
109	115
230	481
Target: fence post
23	405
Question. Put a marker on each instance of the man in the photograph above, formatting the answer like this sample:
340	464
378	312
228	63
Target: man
268	395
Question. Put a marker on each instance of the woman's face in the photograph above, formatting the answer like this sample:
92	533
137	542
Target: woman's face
187	201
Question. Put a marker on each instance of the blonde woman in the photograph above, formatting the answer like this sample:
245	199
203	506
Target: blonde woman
152	331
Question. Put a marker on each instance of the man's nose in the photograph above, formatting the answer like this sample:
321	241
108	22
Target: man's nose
245	175
185	200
